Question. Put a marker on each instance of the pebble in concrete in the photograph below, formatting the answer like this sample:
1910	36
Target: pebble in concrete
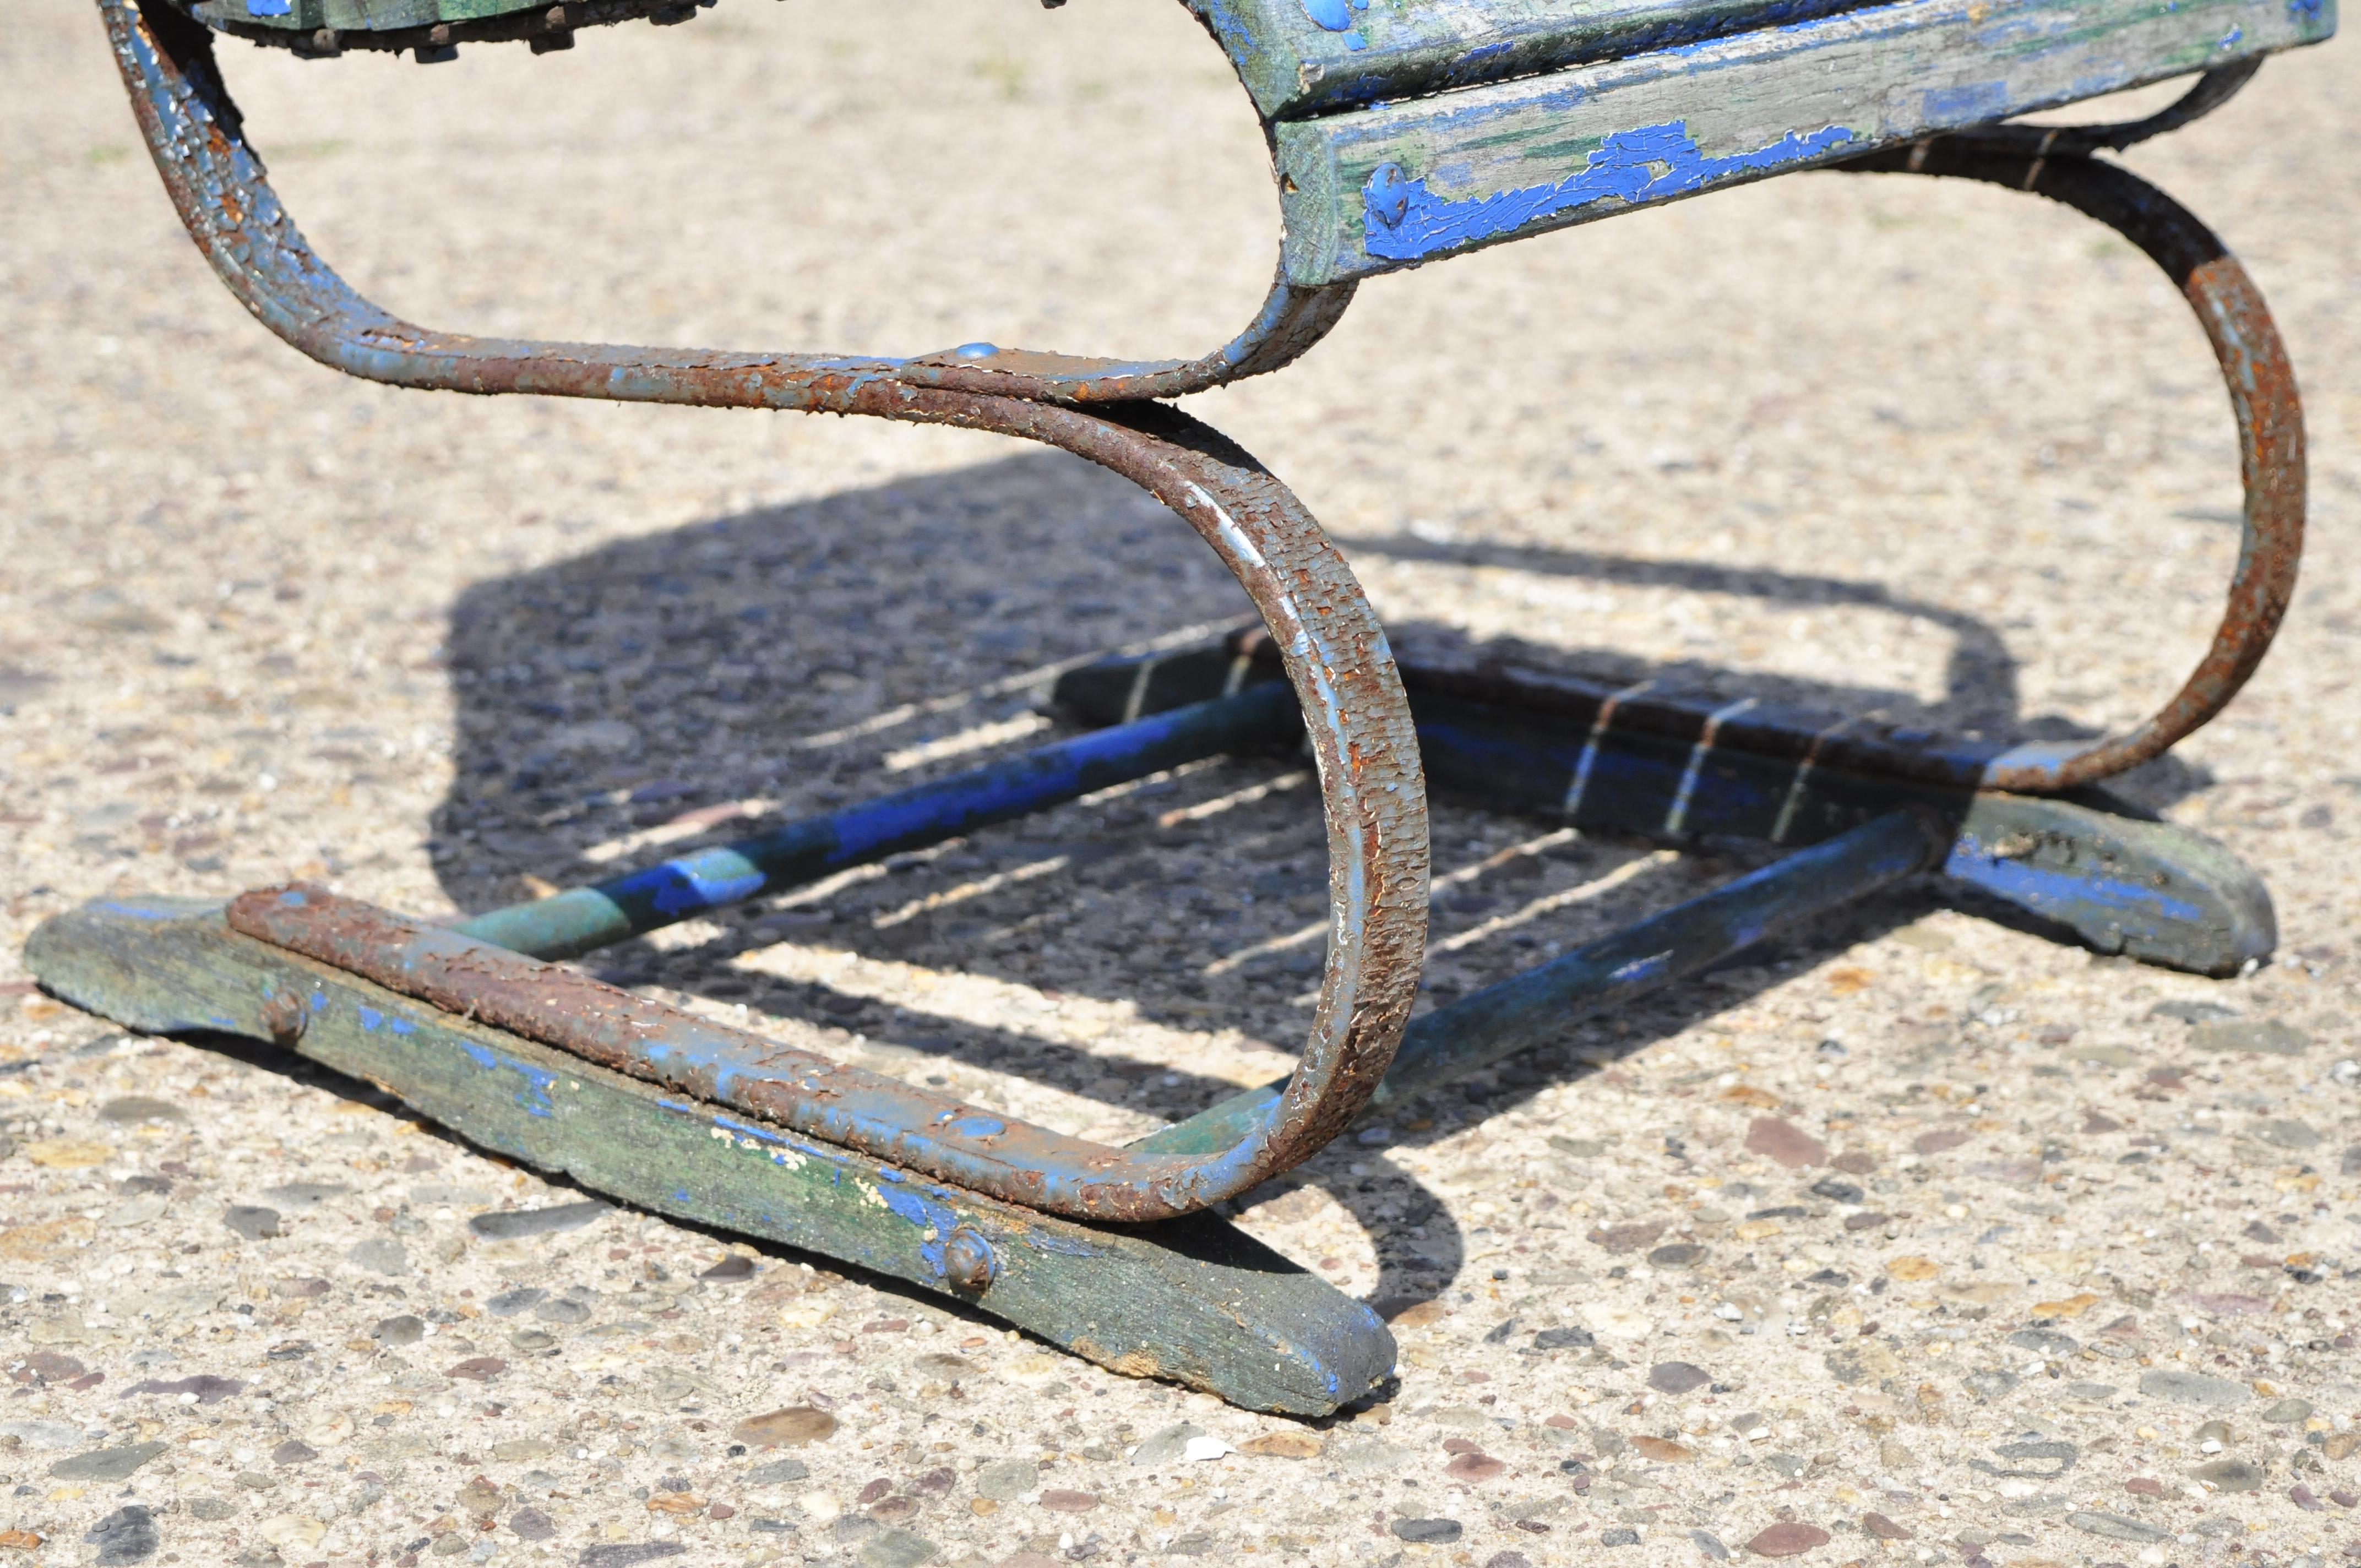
515	1225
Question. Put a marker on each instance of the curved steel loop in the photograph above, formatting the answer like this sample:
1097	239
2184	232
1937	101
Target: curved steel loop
2262	399
1355	714
218	183
2211	91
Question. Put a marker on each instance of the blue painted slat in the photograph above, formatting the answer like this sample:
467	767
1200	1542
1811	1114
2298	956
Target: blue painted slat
582	918
1397	185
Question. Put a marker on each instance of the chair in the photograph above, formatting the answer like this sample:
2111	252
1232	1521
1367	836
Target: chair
1402	135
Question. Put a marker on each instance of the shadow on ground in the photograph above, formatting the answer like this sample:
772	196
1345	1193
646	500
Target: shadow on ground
666	691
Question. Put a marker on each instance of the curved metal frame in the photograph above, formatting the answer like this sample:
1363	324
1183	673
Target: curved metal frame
225	199
2054	161
1355	714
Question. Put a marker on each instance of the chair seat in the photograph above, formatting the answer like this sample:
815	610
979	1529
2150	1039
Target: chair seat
1393	184
1308	57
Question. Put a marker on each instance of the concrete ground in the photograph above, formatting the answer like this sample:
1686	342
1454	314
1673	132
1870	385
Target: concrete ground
2073	1284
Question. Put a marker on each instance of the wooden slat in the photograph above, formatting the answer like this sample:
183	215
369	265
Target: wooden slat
1194	1300
1305	56
1378	189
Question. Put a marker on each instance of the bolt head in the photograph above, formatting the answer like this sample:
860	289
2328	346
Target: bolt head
969	1263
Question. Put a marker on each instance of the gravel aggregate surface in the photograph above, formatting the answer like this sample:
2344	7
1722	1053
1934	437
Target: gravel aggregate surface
1919	1237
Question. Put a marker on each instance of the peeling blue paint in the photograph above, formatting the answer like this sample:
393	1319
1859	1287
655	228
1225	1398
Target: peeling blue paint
2072	894
1965	103
534	1097
1651	163
138	911
687	886
371	1019
924	1213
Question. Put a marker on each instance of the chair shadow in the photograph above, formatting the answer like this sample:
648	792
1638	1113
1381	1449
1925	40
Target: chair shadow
653	695
1980	697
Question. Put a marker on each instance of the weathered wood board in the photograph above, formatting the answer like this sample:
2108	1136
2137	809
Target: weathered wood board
1192	1301
351	16
1397	185
1304	57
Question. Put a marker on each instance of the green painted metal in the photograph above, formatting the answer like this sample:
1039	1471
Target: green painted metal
583	918
2157	892
1191	1300
1395	186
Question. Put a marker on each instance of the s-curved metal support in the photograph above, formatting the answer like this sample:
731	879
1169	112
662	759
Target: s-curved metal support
2211	91
2255	367
218	181
1355	717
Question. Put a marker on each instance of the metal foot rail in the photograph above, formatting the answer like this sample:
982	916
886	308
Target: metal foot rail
1479	1030
1680	764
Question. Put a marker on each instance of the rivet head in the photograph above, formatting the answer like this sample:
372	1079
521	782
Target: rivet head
284	1015
1386	195
968	1261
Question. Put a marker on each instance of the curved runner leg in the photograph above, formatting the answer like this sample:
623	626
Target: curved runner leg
2262	399
1354	711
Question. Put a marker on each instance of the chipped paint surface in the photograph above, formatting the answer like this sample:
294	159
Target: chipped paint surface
580	919
845	1105
1404	220
1398	184
1218	1312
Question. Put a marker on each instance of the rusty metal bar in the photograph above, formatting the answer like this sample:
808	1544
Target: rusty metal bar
580	919
216	180
1357	723
973	1147
2263	399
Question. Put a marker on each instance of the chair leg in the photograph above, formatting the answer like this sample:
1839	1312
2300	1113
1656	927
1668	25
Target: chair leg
1193	1299
556	1069
2263	399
